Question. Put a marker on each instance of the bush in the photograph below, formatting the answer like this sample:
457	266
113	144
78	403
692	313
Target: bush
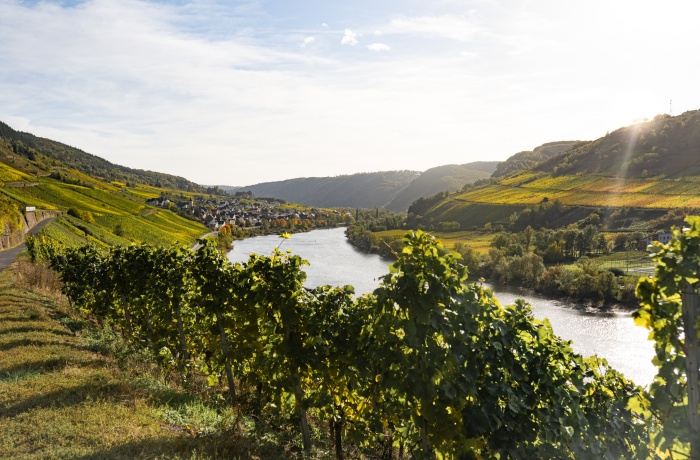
83	215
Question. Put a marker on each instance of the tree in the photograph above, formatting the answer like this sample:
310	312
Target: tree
470	257
527	235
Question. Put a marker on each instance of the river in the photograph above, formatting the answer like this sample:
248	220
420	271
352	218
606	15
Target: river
334	261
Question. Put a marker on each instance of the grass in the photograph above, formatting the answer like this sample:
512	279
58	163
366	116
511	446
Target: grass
59	399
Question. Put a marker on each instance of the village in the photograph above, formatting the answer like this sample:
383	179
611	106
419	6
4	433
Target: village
246	211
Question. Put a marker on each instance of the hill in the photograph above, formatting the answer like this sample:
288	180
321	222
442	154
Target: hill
102	213
666	147
395	190
529	158
446	178
652	167
41	151
362	190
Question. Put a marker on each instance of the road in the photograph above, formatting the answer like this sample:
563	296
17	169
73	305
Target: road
8	256
196	246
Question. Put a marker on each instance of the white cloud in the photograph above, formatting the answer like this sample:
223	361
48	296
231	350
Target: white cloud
349	38
307	41
454	27
324	25
379	47
165	83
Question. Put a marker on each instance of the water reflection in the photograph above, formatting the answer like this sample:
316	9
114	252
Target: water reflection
612	335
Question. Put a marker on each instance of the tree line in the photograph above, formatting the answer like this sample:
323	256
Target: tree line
532	258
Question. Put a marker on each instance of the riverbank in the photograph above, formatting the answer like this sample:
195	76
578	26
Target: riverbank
583	283
581	305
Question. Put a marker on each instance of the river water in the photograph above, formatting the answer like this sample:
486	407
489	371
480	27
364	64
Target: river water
334	261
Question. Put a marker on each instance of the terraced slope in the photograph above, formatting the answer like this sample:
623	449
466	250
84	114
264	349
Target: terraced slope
588	190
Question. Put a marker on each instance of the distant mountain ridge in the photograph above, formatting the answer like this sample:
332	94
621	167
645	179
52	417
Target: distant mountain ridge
394	190
364	190
448	178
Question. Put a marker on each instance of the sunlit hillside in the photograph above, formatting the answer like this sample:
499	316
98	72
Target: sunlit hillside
117	212
652	166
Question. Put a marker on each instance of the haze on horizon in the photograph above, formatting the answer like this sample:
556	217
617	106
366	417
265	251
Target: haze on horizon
247	91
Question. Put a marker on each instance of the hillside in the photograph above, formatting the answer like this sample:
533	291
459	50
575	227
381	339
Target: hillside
652	167
395	190
446	178
666	147
529	158
362	190
104	213
42	151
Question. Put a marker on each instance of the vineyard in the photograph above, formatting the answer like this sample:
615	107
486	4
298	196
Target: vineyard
8	174
425	366
588	190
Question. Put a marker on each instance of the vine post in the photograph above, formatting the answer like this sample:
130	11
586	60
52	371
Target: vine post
691	305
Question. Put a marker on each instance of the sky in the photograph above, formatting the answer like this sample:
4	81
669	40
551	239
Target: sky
238	92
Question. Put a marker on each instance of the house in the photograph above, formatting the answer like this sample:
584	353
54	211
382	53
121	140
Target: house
661	237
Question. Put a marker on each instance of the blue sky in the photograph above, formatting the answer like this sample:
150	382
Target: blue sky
240	92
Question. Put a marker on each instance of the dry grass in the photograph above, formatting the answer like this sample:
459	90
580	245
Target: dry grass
38	278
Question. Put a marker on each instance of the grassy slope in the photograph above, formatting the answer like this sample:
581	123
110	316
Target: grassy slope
588	190
49	155
140	223
61	397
